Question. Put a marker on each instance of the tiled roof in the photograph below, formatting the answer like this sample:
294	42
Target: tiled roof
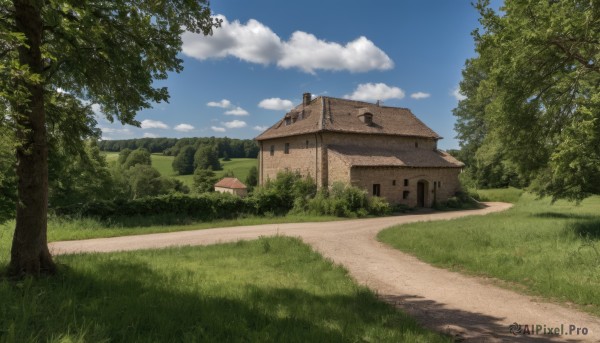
415	158
230	182
342	115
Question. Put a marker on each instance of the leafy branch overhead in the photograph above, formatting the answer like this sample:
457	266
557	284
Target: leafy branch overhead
533	94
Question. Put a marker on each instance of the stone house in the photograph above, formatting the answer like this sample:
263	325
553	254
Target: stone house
231	185
385	150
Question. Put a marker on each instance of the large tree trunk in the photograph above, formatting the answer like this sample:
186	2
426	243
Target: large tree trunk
29	254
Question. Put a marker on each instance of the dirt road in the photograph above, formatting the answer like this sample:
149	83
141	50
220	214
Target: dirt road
470	308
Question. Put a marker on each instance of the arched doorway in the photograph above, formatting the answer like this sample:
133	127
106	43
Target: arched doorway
422	191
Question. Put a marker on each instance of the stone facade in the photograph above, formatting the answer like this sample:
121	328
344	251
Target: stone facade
396	156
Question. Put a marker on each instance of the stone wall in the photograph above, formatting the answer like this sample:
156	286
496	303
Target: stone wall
440	183
237	191
378	141
304	157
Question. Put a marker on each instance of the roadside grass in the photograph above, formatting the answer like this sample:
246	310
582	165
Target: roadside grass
63	229
267	290
540	248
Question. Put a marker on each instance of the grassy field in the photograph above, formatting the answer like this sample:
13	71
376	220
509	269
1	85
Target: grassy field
552	250
162	163
62	229
268	290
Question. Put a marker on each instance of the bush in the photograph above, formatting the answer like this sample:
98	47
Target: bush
345	201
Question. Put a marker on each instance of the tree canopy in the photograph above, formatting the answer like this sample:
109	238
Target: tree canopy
60	57
532	107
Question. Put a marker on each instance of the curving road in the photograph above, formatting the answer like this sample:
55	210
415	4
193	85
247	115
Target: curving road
470	308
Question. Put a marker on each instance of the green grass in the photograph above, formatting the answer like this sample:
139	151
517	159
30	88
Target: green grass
551	250
268	290
62	229
509	194
162	163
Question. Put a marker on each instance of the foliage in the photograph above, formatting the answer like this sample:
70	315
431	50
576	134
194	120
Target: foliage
8	177
204	180
183	164
206	157
230	147
345	201
137	156
544	248
279	196
80	178
533	97
252	178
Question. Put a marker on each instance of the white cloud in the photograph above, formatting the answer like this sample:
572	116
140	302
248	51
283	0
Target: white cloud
217	129
235	124
184	128
375	91
420	95
260	128
149	135
238	111
223	103
276	104
153	124
112	130
456	93
256	43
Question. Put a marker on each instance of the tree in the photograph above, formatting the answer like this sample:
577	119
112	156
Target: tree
137	156
204	180
123	154
103	52
252	178
206	157
536	87
183	163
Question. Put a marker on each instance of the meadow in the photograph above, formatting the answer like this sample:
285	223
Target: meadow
536	247
267	290
162	163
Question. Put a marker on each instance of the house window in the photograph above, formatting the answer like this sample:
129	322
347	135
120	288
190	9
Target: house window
376	190
272	150
416	144
439	184
288	121
405	195
405	182
286	150
393	182
306	144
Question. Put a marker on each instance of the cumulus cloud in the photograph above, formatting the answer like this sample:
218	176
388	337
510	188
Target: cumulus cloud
149	135
217	129
375	91
420	95
238	111
256	43
276	104
260	128
222	104
235	124
456	93
184	127
153	124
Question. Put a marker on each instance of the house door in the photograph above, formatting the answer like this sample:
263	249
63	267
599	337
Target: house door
420	194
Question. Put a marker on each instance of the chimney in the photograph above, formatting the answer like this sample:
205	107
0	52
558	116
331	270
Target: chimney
306	98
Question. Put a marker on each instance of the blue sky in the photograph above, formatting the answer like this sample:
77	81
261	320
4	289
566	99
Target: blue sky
242	79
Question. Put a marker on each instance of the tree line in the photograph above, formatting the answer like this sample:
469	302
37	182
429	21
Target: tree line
226	147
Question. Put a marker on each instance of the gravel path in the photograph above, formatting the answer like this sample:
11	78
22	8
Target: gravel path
470	308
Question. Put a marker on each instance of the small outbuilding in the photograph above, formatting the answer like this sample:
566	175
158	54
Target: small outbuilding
231	185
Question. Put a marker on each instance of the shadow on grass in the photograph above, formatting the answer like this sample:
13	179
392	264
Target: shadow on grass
465	325
129	302
587	229
558	215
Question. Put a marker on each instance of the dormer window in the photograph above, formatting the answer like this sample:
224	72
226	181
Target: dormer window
365	116
288	121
